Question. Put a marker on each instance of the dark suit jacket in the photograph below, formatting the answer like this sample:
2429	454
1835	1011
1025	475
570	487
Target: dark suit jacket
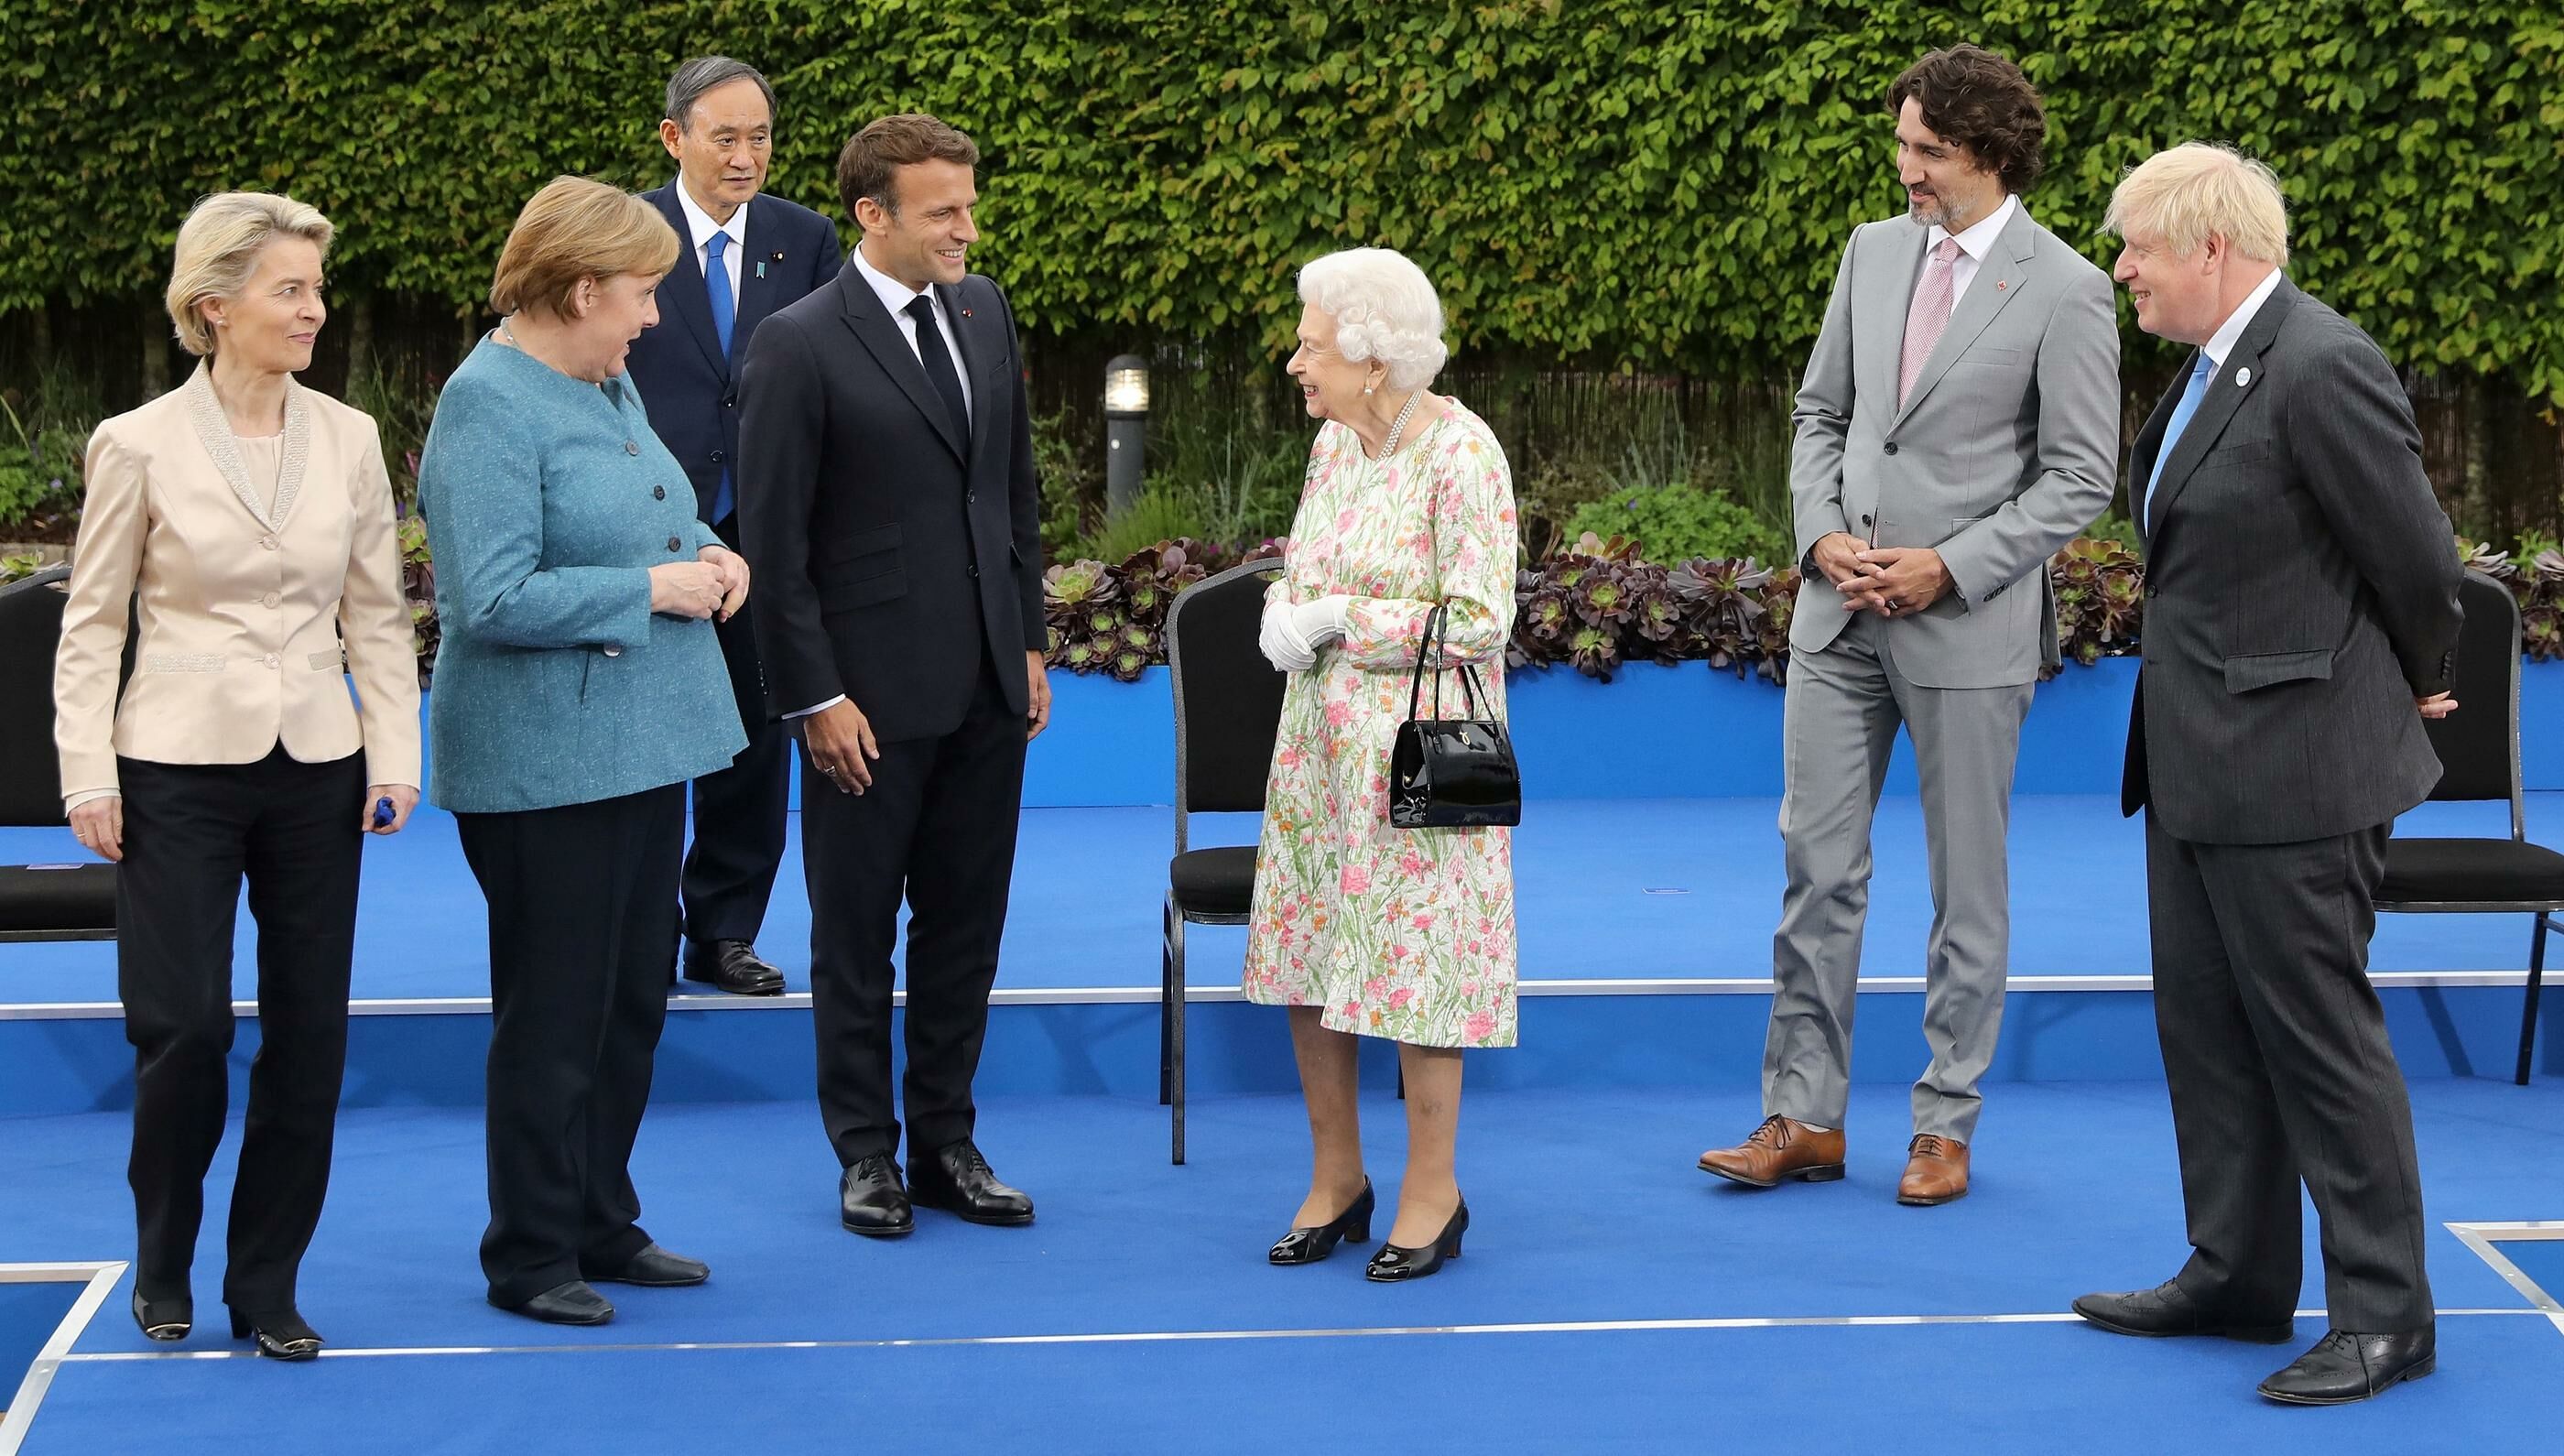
2301	590
891	557
689	390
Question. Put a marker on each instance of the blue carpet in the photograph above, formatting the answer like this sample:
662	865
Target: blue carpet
2542	1260
1637	888
29	1315
1585	1207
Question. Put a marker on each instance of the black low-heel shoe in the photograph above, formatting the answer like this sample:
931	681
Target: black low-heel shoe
1395	1265
164	1319
281	1335
1309	1245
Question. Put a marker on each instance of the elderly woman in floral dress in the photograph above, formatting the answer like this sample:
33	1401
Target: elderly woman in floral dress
1361	929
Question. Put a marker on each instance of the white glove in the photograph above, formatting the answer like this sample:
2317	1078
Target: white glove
1281	642
1322	621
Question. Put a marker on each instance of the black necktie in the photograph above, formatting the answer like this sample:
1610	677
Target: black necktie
939	364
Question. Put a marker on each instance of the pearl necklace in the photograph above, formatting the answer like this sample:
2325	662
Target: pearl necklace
1397	427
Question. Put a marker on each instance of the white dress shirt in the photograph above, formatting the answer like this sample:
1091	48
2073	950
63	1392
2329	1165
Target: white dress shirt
1974	245
896	297
701	227
2230	332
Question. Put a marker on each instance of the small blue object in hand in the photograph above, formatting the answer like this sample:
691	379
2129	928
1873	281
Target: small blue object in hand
384	814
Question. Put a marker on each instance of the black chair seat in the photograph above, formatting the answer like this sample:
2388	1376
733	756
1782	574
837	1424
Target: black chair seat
1213	881
65	900
2472	871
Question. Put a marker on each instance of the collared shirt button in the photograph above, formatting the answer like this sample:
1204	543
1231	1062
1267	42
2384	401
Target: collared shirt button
675	544
631	447
271	599
657	493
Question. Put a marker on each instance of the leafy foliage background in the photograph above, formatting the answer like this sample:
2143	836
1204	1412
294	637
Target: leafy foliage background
1666	187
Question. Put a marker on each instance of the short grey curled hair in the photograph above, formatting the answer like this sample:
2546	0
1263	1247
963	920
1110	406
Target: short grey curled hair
699	76
1384	308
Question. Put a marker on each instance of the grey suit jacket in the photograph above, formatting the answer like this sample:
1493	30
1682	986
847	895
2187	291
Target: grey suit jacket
2005	451
2301	590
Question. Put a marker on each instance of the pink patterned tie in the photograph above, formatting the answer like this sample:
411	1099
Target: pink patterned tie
1929	315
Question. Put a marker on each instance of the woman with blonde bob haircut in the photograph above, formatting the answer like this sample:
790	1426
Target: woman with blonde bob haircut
1360	928
248	522
579	689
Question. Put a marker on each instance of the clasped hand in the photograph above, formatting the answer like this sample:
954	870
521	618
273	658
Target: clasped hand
1892	581
714	585
1293	633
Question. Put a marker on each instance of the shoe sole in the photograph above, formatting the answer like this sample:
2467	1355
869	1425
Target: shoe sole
1934	1201
647	1283
726	991
520	1311
1826	1173
876	1231
986	1220
2246	1333
2419	1368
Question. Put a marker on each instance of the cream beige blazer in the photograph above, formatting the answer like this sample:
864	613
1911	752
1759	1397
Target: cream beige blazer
240	608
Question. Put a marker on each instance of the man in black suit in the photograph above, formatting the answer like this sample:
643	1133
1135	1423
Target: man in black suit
2302	621
893	522
746	257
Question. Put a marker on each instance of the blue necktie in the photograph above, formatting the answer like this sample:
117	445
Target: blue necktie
2183	409
725	313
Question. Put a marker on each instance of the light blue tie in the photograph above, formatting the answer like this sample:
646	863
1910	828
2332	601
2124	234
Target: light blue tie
725	313
2183	409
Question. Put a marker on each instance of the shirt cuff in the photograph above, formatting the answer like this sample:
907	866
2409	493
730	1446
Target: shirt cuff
820	708
89	795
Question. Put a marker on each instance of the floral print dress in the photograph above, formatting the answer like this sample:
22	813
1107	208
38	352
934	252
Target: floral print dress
1402	934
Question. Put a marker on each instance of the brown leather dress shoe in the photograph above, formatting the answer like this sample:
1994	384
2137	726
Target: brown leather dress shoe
1936	1172
1781	1148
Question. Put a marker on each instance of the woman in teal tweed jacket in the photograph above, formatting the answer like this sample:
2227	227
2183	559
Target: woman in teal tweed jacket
579	688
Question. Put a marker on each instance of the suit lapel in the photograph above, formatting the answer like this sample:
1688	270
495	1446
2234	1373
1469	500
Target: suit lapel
880	333
2141	462
214	432
682	293
1998	283
759	256
979	350
1895	299
2227	390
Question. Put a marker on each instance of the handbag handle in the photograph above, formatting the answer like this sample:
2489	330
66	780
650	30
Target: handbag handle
1436	622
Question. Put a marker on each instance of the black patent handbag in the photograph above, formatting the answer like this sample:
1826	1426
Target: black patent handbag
1451	774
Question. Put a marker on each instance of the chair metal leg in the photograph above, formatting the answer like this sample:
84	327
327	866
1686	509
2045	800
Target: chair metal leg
1166	1002
1175	1034
2528	1007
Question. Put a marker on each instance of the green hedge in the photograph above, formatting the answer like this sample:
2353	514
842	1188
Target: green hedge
1585	179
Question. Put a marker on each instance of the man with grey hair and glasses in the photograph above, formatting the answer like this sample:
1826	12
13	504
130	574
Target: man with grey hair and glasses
2302	623
744	256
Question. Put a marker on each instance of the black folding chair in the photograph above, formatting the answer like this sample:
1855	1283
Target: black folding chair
67	902
2478	747
1228	708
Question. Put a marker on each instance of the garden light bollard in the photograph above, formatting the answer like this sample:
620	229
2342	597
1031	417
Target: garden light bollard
1126	431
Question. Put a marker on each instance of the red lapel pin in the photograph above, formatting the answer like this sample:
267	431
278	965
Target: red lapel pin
965	314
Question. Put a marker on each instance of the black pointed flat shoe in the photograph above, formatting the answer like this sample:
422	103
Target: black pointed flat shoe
2345	1367
1309	1245
164	1320
652	1268
279	1335
1396	1264
573	1303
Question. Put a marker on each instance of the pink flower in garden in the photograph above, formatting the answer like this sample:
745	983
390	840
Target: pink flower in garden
1480	1025
1356	879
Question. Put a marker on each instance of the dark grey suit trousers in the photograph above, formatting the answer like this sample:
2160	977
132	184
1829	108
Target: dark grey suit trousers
2275	1051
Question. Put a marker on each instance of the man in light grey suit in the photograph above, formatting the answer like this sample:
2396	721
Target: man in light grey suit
2302	621
1958	425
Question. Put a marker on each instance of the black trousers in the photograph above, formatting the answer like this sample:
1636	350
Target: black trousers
2275	1051
937	830
578	966
738	812
193	832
